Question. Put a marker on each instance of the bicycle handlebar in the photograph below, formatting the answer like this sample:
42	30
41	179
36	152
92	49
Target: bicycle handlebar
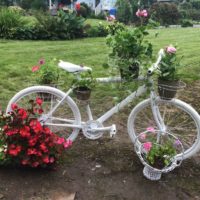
155	65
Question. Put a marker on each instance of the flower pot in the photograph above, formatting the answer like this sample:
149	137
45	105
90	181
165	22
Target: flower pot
151	173
130	73
167	89
82	93
47	96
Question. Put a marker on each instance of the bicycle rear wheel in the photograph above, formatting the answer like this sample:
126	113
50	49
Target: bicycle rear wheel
179	118
66	113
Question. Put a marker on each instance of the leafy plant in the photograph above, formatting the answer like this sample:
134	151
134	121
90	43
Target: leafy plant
24	141
115	27
85	81
46	72
129	48
169	65
158	153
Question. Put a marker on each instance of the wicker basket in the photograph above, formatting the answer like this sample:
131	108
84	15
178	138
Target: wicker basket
150	172
168	89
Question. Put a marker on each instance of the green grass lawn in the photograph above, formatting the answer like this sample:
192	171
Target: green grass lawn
18	57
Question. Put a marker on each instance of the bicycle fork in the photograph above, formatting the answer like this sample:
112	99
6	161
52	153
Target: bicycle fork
156	114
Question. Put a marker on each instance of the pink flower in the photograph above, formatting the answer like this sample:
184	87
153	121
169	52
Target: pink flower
142	136
52	159
142	13
35	164
151	129
171	49
41	61
147	146
177	143
60	140
35	68
67	143
24	162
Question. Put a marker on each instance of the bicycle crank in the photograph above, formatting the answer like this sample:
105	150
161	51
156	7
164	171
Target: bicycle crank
94	129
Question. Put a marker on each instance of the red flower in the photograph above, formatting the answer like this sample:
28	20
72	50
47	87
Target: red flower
39	101
36	126
35	68
22	113
35	164
43	148
13	152
78	6
40	111
46	159
32	142
41	61
39	153
11	131
25	162
47	131
25	132
14	106
32	151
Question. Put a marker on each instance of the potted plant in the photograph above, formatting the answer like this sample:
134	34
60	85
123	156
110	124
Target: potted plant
130	50
168	77
157	151
25	141
83	85
46	72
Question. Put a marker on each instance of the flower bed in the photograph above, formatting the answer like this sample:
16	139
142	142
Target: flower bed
25	141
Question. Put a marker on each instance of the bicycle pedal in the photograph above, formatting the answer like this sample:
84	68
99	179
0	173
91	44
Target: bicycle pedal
113	130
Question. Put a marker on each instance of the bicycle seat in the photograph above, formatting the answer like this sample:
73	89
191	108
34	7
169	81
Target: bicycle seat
70	67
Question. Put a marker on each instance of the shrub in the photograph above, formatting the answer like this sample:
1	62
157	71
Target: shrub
39	5
126	11
165	13
101	15
186	23
96	31
62	26
9	20
196	4
193	14
85	10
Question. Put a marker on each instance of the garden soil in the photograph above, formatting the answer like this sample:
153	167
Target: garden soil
104	169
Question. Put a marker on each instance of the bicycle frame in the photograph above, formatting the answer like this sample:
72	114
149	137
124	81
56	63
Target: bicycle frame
140	90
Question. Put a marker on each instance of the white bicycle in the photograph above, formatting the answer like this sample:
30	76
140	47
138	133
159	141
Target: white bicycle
62	114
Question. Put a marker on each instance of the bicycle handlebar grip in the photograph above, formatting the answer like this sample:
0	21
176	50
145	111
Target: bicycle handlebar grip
155	65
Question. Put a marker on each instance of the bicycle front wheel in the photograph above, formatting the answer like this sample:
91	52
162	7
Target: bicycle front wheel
66	118
179	118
